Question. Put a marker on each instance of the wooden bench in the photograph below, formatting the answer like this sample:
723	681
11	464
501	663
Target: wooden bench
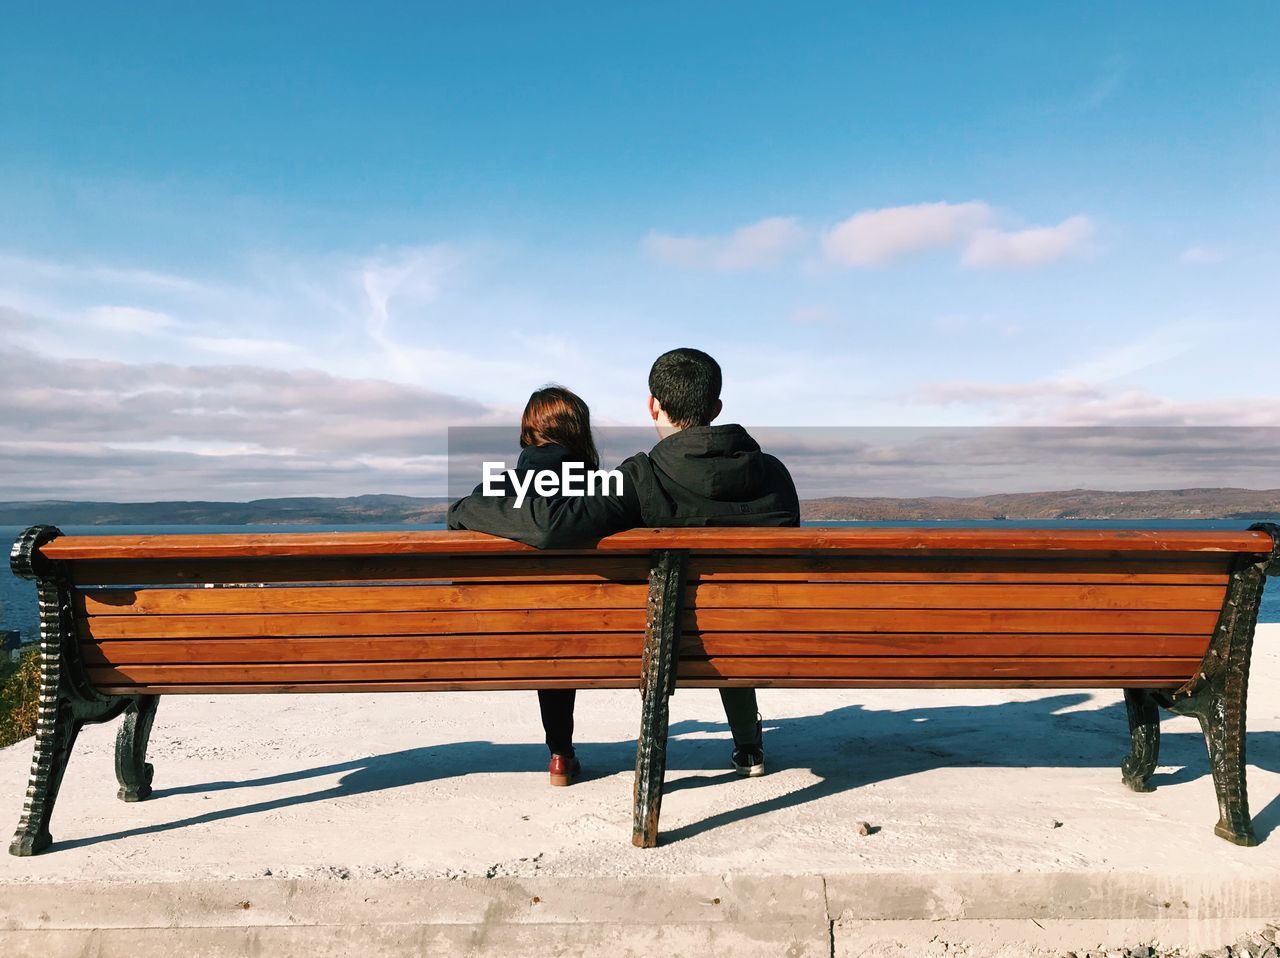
1167	616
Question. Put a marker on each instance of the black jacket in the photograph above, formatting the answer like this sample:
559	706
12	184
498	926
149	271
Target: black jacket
701	476
536	458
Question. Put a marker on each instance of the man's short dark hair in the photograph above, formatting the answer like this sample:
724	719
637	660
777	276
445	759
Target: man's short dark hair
687	384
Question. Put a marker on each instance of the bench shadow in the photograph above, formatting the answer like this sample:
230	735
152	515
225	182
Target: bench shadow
852	747
845	748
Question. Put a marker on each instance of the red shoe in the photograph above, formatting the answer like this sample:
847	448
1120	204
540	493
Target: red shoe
564	770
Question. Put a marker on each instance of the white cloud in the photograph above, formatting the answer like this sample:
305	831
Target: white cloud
1201	256
411	275
1028	247
973	392
1106	83
163	430
130	319
966	323
1062	401
97	274
1158	346
762	244
242	347
876	237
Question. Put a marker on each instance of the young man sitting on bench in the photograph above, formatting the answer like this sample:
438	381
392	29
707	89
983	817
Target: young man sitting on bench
697	475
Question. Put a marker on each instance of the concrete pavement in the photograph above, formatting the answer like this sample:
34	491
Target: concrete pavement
424	822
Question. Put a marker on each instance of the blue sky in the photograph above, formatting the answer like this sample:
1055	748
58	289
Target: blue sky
249	252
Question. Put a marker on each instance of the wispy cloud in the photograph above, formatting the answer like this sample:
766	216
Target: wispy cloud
131	319
1157	346
1105	84
970	322
99	274
1201	256
1070	402
243	347
813	316
761	244
976	392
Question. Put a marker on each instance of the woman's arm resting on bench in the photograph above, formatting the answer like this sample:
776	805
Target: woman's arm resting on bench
552	522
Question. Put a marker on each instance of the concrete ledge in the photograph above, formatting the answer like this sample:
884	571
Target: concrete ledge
710	899
1056	897
516	941
797	916
1014	938
689	900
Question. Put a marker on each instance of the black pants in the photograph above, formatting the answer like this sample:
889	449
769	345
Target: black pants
557	717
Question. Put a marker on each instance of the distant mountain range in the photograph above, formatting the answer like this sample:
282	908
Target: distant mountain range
1069	504
300	510
380	509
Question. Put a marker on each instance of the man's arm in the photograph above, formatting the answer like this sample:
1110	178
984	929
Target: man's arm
549	522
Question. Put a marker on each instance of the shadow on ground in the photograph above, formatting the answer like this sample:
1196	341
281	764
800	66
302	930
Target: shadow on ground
846	748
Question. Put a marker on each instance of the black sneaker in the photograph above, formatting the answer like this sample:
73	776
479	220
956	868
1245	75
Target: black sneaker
748	761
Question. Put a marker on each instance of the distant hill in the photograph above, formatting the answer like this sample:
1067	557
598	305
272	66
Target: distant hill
380	509
353	509
1070	504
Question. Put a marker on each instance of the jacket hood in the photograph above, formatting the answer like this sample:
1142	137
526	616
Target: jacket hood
543	457
721	463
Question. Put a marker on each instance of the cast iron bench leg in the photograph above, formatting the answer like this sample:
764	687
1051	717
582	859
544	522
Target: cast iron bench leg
658	682
56	733
1222	719
67	701
1144	739
133	771
1217	698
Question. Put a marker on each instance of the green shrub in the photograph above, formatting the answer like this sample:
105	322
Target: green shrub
19	695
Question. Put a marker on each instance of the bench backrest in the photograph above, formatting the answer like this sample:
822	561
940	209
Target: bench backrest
804	607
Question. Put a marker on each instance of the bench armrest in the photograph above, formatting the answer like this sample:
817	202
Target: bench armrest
1272	566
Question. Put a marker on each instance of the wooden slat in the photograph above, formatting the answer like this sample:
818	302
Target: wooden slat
832	595
700	620
380	648
1193	570
941	644
904	669
476	685
520	685
950	620
614	644
523	568
362	623
379	671
424	598
365	598
909	668
1190	570
720	540
1091	682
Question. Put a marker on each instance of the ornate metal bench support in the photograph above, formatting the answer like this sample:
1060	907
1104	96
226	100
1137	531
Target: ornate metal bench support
657	683
67	701
1144	739
1215	696
133	771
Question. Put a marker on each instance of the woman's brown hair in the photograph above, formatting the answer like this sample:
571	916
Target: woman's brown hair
555	415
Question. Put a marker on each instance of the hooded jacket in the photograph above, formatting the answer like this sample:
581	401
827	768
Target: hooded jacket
700	476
